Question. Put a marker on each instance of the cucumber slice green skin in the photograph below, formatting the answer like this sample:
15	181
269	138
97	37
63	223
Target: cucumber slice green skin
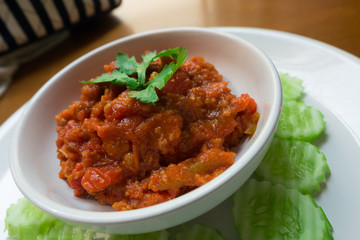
294	164
292	87
199	232
24	221
265	211
300	122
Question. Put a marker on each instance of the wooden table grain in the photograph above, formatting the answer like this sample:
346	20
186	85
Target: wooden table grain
336	22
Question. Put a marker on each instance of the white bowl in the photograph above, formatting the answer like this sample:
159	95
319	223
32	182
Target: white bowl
35	167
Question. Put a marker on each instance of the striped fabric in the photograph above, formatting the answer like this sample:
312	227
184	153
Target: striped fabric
25	21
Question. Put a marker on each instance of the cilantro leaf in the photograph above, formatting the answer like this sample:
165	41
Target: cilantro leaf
139	89
171	52
127	65
148	95
147	59
117	77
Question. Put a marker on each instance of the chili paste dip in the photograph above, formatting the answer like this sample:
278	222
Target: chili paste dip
131	154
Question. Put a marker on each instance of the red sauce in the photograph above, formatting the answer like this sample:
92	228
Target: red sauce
131	155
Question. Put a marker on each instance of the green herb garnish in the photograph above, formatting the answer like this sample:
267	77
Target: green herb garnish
139	88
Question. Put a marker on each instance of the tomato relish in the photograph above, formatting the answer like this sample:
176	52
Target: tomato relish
130	154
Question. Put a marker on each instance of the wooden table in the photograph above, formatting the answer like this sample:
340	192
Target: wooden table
336	22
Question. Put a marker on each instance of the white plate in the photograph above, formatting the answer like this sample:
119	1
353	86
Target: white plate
332	84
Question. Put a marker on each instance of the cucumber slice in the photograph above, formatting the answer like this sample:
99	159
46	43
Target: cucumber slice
159	235
62	231
292	87
24	221
265	211
300	121
294	164
199	232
